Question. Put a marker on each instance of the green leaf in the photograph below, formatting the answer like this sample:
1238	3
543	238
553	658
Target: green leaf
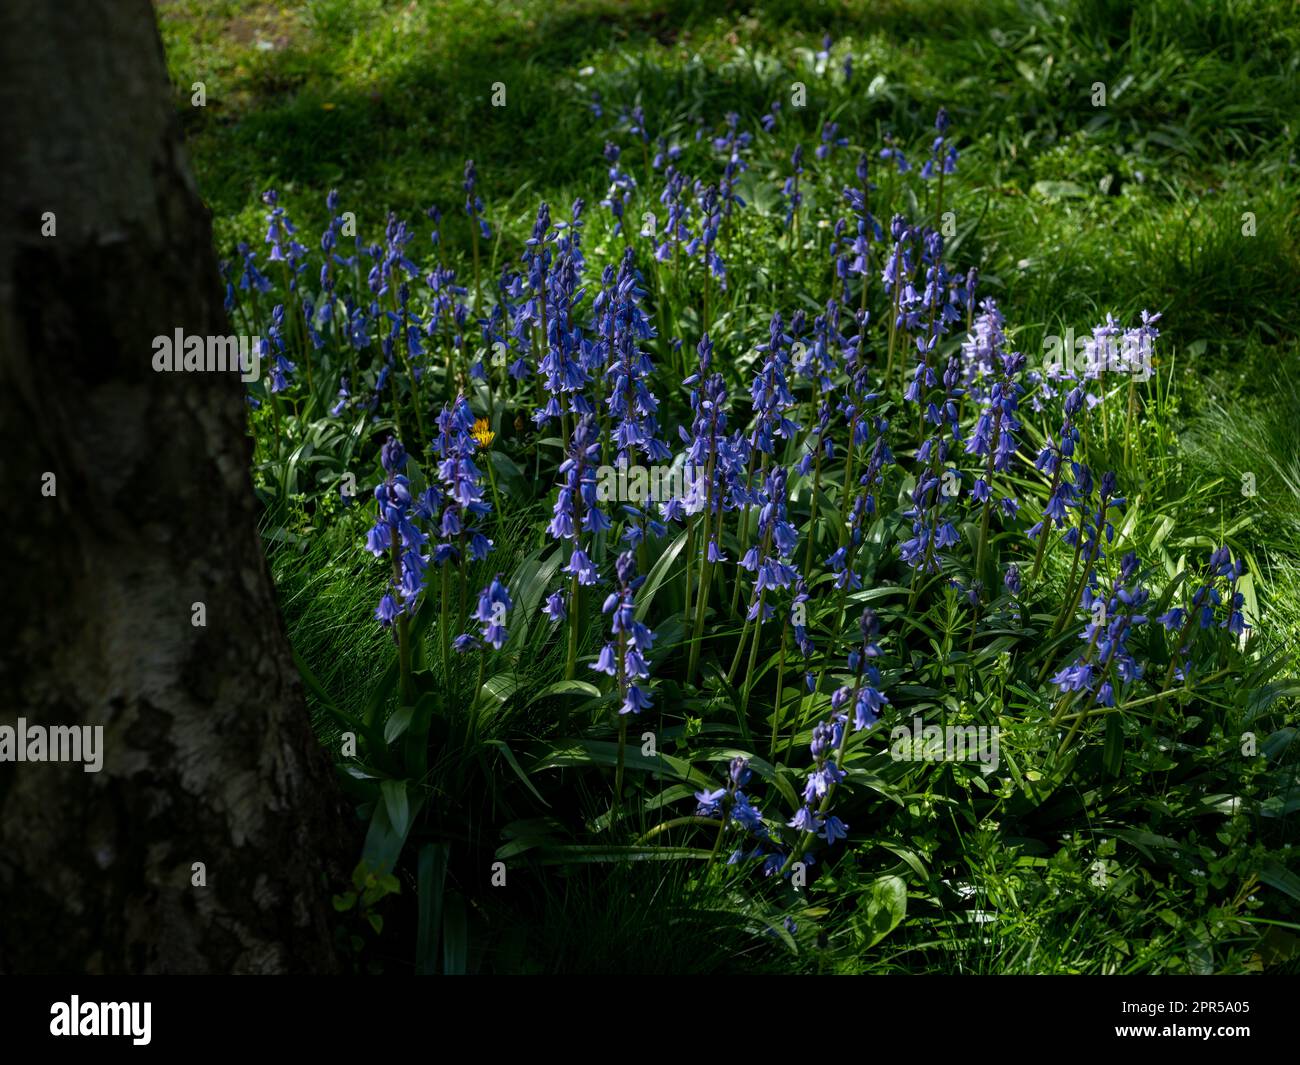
913	862
384	839
605	753
431	875
510	478
1275	875
1146	841
416	743
786	789
500	686
567	687
1112	755
880	911
1059	190
455	936
509	755
398	723
322	696
399	809
527	584
379	694
646	593
579	852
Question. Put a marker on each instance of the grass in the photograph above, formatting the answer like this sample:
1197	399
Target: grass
1175	196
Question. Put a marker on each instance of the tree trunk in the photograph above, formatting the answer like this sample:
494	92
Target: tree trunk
208	751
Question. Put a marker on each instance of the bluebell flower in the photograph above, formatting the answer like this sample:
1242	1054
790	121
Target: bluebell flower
281	236
621	186
473	202
1107	660
462	483
623	657
832	829
709	802
790	190
396	535
830	140
892	151
623	325
1012	579
777	540
493	603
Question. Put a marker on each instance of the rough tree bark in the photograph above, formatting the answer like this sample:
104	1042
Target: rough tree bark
209	755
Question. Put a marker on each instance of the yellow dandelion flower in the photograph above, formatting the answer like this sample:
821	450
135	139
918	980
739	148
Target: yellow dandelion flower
482	433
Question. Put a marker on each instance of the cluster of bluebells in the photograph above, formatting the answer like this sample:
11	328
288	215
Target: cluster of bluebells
621	187
865	694
1094	520
473	202
793	197
841	561
675	233
1107	661
769	391
705	244
894	152
994	437
274	351
810	820
821	446
623	657
1114	349
1217	594
576	510
281	236
584	362
395	534
943	155
932	534
830	140
708	448
732	145
777	540
857	261
1051	459
493	603
628	368
459	532
535	313
982	348
567	361
734	806
864	698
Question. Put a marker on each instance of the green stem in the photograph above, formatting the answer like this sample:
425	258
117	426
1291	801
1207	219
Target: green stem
706	567
847	490
622	721
444	624
780	683
753	656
